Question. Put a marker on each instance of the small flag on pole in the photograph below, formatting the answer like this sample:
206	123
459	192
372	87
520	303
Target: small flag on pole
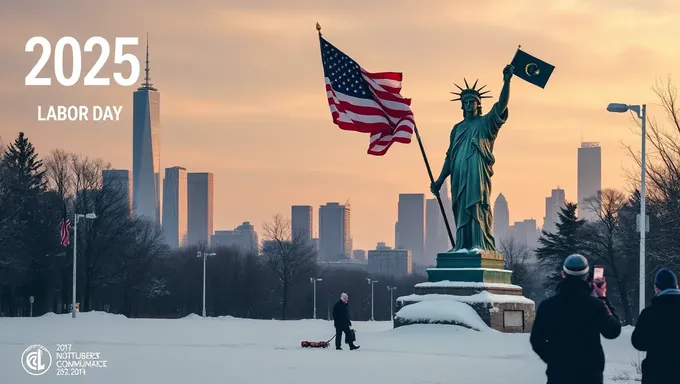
366	102
531	69
64	232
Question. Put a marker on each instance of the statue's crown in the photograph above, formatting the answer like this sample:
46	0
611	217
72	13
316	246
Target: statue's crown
470	91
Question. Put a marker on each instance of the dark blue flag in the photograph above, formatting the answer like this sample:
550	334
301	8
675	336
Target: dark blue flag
531	69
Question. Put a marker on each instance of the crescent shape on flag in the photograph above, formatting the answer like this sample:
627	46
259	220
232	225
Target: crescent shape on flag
532	69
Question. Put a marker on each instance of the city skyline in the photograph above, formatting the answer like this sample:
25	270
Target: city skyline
233	124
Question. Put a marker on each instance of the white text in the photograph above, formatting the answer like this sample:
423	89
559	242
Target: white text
79	113
68	80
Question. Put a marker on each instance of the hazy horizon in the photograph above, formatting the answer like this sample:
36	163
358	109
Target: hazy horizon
242	94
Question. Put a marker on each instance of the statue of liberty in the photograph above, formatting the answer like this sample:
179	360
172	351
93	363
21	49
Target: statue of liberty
469	161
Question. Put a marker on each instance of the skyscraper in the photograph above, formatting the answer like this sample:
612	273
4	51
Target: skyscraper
200	195
501	220
553	204
589	178
384	261
243	237
146	161
119	184
334	232
302	221
175	224
525	232
411	226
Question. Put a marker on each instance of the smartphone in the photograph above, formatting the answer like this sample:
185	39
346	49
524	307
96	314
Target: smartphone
598	274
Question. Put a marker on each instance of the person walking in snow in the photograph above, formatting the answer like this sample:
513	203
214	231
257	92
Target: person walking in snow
567	327
343	323
657	331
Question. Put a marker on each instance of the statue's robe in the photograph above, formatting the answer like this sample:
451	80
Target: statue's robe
470	159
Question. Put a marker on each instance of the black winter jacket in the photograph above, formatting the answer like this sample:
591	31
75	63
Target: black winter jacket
566	333
657	332
341	315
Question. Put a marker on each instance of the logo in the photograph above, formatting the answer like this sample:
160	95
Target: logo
36	360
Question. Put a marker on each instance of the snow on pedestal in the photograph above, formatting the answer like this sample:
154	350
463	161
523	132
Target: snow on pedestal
466	284
500	306
449	312
478	279
481	297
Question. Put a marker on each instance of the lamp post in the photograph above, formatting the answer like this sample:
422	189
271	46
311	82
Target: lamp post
371	283
641	111
391	289
313	280
205	258
30	300
77	217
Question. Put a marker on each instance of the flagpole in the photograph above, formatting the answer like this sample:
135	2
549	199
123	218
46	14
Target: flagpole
519	46
439	199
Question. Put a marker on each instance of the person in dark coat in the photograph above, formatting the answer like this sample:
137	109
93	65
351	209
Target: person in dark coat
657	331
567	327
343	323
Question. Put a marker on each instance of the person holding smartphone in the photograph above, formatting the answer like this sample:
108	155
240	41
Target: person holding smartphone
567	327
657	331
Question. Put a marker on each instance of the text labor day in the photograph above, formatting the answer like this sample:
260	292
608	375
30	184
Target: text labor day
79	113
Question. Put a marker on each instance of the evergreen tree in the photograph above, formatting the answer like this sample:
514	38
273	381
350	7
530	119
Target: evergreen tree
23	184
554	248
25	169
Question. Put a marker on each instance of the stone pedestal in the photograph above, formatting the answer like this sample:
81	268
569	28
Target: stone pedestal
479	280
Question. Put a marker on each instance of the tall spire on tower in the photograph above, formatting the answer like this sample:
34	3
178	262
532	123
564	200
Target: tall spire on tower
147	85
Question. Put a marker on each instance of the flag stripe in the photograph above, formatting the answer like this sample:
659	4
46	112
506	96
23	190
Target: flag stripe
65	225
366	111
366	102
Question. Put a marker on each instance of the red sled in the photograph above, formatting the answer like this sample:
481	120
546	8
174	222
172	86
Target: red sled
314	344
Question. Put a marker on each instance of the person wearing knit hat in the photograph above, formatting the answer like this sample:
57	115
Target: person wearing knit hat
657	331
567	326
342	323
665	279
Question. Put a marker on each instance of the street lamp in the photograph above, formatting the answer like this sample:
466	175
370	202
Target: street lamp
313	280
641	111
77	216
371	283
205	257
391	289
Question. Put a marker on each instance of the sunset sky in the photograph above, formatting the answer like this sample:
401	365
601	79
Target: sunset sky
242	93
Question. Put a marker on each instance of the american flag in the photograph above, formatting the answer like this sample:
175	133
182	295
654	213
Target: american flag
64	231
366	102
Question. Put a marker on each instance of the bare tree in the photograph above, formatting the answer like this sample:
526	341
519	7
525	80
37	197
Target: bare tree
663	177
605	244
291	259
132	269
107	244
518	259
60	176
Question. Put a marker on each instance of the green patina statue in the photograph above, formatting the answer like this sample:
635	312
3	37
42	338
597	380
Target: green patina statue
469	161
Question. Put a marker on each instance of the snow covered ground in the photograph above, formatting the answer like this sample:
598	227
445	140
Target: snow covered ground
230	350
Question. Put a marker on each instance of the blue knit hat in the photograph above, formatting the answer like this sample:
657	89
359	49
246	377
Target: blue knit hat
665	279
575	265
